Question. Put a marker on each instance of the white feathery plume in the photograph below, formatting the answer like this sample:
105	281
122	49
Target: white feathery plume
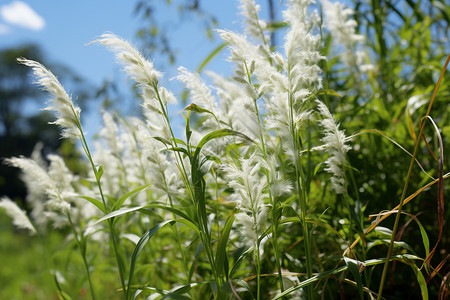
110	133
64	193
278	185
343	30
301	46
143	72
255	27
112	174
334	140
242	51
67	114
138	68
199	91
40	180
237	107
249	194
337	20
162	173
19	216
299	78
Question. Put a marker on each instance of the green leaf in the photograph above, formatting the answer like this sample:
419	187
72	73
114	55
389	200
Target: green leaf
143	241
119	212
327	92
221	252
179	149
119	202
245	285
420	280
368	263
211	158
354	269
239	261
96	202
218	134
196	108
99	173
211	56
162	140
168	208
176	293
196	257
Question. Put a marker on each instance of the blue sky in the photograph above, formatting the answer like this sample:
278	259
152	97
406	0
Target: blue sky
64	28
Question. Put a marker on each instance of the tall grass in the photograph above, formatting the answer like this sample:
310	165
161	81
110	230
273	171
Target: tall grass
256	199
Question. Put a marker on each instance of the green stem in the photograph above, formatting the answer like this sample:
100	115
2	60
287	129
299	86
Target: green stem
306	237
274	202
301	188
408	176
83	255
197	195
99	186
258	271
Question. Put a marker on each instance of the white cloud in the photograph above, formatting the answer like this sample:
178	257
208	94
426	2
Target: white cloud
21	14
4	29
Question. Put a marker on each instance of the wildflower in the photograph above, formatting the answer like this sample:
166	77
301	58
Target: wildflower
19	216
334	140
67	114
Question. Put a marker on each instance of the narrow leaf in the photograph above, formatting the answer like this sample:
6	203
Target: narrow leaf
211	56
119	202
143	241
420	280
221	252
96	202
218	134
99	173
119	212
354	269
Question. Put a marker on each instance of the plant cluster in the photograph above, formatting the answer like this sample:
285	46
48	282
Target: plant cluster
257	198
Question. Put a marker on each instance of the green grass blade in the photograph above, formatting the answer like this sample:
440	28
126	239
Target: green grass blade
353	267
194	263
367	263
99	173
118	213
96	202
221	252
211	56
176	293
168	208
420	280
239	261
143	241
218	134
119	202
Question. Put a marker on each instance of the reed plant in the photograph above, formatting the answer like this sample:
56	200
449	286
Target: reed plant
256	198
